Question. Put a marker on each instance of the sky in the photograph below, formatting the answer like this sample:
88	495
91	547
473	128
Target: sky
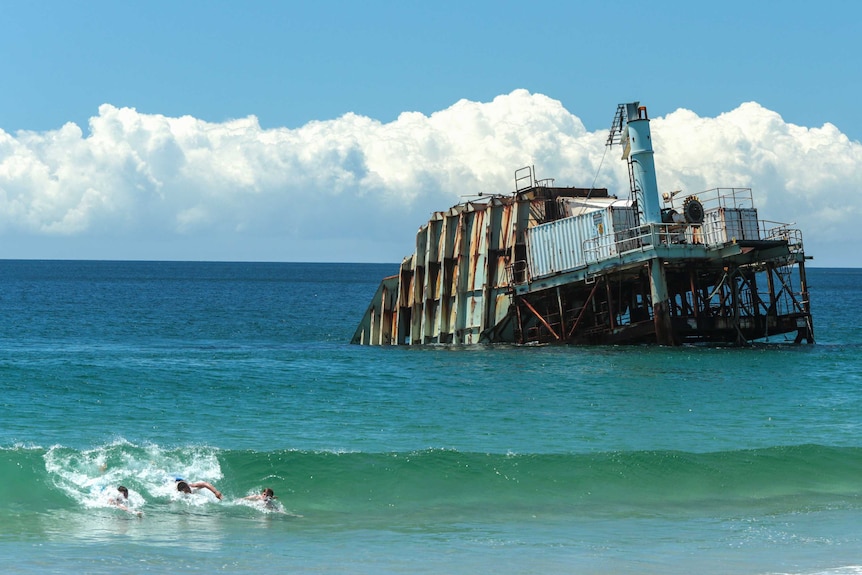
330	131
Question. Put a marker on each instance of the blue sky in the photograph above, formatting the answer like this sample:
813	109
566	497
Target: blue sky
336	72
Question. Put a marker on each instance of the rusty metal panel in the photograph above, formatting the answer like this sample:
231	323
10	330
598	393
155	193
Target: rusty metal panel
501	306
501	215
411	278
453	315
441	239
472	320
501	276
450	237
506	230
477	242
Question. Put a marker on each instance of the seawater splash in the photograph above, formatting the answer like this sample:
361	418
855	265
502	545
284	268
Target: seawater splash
90	477
433	484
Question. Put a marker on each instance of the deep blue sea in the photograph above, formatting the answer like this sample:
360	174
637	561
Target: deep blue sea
438	460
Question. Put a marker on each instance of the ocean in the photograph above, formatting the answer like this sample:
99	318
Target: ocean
455	460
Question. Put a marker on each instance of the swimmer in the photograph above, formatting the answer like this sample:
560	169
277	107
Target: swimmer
267	496
185	487
121	501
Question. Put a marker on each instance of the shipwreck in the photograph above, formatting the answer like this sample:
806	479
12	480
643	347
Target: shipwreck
546	264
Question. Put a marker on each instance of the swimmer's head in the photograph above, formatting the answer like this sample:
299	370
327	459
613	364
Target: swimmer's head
122	489
184	487
269	493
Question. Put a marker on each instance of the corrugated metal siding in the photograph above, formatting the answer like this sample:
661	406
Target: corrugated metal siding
558	246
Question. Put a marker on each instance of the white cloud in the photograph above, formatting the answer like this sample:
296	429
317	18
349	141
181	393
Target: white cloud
810	176
354	182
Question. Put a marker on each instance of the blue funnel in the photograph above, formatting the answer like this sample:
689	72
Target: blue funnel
637	146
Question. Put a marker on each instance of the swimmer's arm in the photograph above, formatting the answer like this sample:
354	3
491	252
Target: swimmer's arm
124	508
205	485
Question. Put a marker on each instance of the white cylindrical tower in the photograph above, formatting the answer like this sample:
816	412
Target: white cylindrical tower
639	145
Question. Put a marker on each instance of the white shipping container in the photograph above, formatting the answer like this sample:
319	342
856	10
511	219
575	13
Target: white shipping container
558	246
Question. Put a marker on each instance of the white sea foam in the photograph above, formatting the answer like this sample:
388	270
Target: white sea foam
91	477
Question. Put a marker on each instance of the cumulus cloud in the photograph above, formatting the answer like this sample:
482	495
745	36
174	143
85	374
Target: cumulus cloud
354	179
810	176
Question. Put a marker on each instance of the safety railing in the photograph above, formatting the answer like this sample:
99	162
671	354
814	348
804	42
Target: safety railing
778	231
640	238
648	236
735	198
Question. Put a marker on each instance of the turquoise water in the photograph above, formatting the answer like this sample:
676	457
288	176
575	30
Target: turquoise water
390	460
